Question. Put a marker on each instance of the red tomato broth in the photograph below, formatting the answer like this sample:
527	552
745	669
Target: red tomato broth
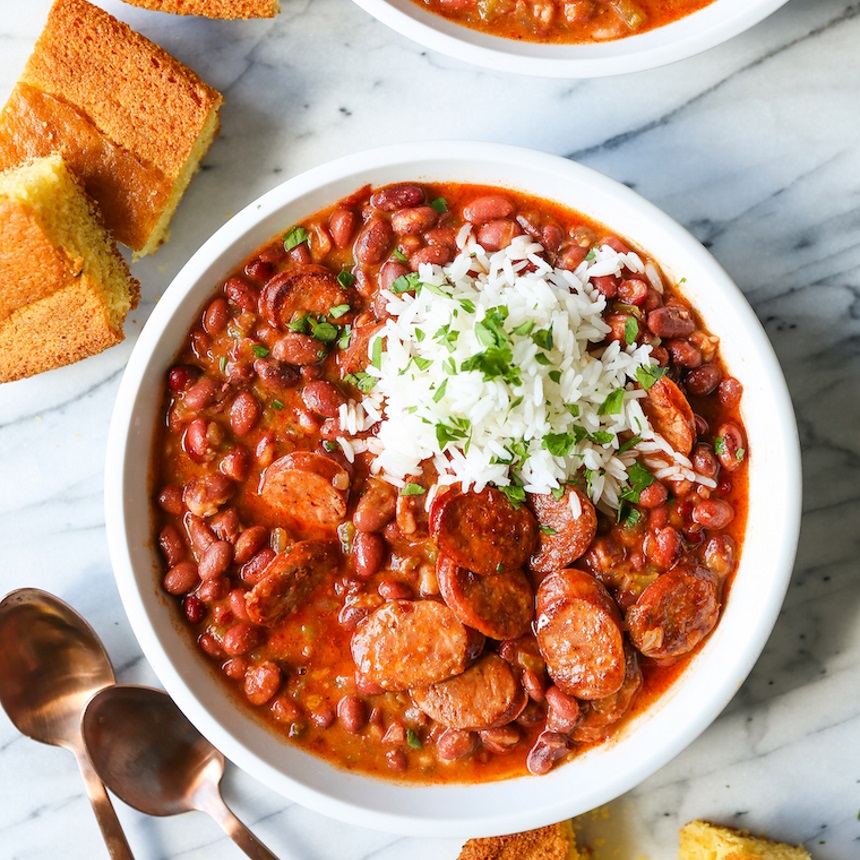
555	22
390	737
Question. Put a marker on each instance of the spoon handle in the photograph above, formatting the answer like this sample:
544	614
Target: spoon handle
115	840
237	831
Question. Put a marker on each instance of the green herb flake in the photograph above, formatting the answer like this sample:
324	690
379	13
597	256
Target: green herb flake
548	530
301	325
345	336
524	329
422	363
740	454
632	518
516	495
276	404
602	437
559	444
555	376
405	283
638	478
631	330
399	255
361	379
468	305
557	493
259	350
294	237
543	338
338	311
720	445
647	376
440	391
222	364
573	409
440	204
413	740
413	490
376	353
626	446
329	445
613	403
324	331
591	254
419	334
543	359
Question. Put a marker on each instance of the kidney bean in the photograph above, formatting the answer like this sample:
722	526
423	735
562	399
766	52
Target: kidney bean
249	542
396	760
435	255
549	748
299	349
214	590
237	604
241	638
660	354
235	668
720	554
414	220
300	254
319	242
245	412
615	243
606	285
729	392
181	578
241	294
488	208
373	242
713	513
534	684
172	545
397	197
390	272
182	376
210	645
322	715
352	713
653	495
266	449
683	353
199	533
216	560
662	546
259	270
368	553
236	464
170	499
262	682
633	291
201	345
729	446
203	393
376	507
671	321
570	256
442	236
194	609
393	589
285	710
196	442
564	708
704	461
216	317
501	739
456	743
324	398
226	525
276	375
252	571
203	496
495	235
703	380
617	327
341	225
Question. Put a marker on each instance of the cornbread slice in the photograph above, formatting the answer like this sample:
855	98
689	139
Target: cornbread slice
128	118
703	841
555	842
213	8
65	289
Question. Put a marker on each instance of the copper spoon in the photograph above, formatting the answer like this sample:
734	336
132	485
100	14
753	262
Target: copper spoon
151	757
51	664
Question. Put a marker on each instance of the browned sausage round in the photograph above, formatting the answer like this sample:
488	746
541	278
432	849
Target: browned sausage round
579	634
356	356
289	579
485	696
670	414
501	605
564	536
599	715
303	290
675	612
412	643
483	532
308	489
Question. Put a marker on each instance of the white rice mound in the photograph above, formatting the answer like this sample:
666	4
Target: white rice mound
494	425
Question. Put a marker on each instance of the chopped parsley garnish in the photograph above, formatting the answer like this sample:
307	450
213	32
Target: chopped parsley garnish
740	454
601	437
631	330
613	403
573	408
493	362
591	254
524	329
543	359
557	493
638	477
456	430
329	445
294	237
338	311
439	393
301	325
720	445
361	379
276	404
422	363
399	255
259	350
346	278
345	336
413	740
324	331
647	376
548	530
555	376
413	490
516	495
543	338
376	353
222	363
626	446
559	444
440	204
405	283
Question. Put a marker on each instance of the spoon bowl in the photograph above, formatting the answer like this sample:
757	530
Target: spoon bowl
51	664
151	757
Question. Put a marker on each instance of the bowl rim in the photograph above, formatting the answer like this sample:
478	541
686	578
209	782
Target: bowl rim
697	32
500	807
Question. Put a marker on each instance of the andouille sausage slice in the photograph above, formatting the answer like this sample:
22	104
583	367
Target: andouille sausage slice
567	528
356	355
483	532
295	292
675	612
579	633
599	715
408	644
487	695
501	605
670	414
310	489
289	579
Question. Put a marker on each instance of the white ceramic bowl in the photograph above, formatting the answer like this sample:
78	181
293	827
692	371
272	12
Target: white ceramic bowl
704	29
597	776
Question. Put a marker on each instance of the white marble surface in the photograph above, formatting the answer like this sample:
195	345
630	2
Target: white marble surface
754	146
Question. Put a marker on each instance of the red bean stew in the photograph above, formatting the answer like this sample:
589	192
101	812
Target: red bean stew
563	21
497	633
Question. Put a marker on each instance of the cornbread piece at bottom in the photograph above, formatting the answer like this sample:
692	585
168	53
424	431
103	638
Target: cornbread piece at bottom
554	842
213	8
129	119
703	841
65	289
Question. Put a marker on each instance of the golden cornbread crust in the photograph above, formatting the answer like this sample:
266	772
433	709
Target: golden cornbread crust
65	289
701	840
555	842
213	8
135	109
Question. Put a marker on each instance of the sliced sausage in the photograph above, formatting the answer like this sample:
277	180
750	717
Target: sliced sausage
289	579
356	356
579	634
487	695
306	289
309	489
483	532
599	715
675	612
671	415
407	644
501	605
567	528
